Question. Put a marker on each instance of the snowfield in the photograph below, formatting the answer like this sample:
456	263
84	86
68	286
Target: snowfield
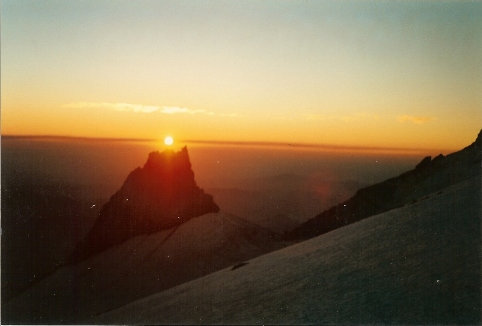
418	264
139	267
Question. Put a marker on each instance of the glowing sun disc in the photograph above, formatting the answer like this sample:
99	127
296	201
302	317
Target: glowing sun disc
168	141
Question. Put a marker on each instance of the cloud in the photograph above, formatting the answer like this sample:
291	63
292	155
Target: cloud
136	108
414	119
123	107
176	110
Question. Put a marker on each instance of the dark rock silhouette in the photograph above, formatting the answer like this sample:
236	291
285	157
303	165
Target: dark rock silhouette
428	176
424	163
161	195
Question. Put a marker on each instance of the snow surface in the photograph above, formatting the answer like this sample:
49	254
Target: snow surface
139	267
418	264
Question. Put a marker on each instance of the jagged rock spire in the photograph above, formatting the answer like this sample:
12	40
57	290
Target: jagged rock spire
160	195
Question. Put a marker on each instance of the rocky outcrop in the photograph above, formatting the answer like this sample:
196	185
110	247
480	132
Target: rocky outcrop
160	195
424	163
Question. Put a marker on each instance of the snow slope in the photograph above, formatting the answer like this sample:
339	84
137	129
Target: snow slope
139	267
418	264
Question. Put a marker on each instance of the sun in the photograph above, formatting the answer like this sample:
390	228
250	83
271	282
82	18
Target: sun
168	141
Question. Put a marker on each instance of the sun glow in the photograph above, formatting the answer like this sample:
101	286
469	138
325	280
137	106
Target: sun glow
168	141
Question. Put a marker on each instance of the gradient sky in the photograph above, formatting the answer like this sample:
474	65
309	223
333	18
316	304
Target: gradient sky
364	73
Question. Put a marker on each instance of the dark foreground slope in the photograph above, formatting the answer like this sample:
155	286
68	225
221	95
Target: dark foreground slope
430	175
42	222
418	264
139	267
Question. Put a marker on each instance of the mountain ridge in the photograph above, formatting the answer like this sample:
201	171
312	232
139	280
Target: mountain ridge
428	176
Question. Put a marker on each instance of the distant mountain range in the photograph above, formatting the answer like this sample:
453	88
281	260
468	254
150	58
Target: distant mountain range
428	176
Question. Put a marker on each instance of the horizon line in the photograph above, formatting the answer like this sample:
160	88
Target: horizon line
239	143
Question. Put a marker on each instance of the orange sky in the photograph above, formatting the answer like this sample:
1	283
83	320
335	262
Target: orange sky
402	74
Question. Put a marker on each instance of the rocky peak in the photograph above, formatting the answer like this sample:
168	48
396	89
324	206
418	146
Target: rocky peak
160	195
425	162
168	158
